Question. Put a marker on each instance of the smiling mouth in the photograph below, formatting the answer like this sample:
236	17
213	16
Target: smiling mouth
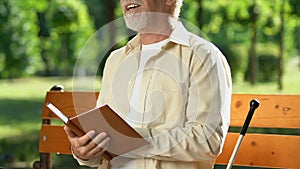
132	6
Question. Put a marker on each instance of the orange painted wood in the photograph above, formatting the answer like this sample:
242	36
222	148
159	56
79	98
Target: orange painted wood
70	103
275	111
53	139
263	150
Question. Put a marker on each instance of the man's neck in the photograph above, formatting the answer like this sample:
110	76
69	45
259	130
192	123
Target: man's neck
150	38
160	34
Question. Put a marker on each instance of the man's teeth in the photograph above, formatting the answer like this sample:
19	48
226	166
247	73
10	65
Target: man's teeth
131	6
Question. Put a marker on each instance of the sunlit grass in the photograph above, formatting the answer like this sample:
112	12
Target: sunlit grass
18	129
36	87
291	82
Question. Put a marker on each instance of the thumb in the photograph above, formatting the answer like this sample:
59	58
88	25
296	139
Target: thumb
69	132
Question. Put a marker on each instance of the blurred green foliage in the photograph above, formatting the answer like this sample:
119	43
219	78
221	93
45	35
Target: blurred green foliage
228	25
45	37
41	37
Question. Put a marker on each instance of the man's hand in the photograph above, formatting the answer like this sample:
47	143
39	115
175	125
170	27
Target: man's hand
89	146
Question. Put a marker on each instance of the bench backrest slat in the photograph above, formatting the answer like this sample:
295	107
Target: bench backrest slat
70	103
275	111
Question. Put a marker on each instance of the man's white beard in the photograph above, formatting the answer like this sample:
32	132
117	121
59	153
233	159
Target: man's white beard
137	21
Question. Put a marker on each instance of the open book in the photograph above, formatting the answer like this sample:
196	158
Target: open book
103	119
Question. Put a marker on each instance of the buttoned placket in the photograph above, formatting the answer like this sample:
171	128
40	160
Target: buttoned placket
146	81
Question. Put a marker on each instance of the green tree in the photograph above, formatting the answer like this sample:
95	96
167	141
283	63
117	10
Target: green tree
70	28
97	9
41	36
224	24
44	35
252	67
19	54
249	33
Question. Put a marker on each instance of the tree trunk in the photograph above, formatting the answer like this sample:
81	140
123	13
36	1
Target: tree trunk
111	5
252	68
44	35
281	47
200	15
111	16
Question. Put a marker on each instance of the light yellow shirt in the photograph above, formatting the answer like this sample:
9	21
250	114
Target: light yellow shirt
184	101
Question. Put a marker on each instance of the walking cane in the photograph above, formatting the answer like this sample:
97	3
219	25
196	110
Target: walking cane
253	105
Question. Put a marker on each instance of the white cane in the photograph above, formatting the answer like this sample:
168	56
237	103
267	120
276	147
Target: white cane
253	105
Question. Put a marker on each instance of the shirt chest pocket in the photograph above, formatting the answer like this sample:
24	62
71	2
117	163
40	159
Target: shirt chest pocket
165	99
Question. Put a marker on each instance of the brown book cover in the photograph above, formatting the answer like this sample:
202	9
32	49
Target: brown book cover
103	119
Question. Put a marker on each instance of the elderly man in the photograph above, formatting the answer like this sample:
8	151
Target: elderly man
172	86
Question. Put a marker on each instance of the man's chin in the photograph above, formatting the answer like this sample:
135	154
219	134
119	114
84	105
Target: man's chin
137	25
135	28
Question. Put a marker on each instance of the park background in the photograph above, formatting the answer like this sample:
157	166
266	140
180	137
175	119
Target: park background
40	41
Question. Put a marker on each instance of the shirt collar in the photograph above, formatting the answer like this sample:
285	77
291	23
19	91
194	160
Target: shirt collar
179	34
134	43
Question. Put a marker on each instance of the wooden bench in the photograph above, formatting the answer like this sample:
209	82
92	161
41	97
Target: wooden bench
276	112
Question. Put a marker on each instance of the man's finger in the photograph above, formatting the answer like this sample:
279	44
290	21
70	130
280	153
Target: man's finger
100	148
87	137
100	137
96	140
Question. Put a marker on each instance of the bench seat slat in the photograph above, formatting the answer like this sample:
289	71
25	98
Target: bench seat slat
264	150
53	139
